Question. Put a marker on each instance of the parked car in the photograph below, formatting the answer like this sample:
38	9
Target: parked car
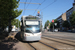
56	30
6	29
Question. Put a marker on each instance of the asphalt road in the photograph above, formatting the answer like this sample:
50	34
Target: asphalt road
64	35
49	41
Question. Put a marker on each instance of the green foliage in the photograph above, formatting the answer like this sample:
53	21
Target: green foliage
51	25
15	22
66	24
46	24
8	11
72	18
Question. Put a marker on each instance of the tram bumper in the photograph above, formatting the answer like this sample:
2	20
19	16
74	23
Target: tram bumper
32	38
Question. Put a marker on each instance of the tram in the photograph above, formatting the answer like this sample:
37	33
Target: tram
31	28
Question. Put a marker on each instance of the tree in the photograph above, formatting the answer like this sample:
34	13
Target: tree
15	22
46	24
55	21
72	18
66	24
8	12
51	25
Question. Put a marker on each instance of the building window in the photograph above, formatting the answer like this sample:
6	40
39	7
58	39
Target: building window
68	17
70	12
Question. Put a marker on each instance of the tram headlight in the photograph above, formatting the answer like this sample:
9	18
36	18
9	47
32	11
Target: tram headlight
27	35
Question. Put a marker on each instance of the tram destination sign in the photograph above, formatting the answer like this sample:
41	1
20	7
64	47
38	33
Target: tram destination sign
32	23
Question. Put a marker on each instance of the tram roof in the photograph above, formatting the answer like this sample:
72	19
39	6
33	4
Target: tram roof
31	16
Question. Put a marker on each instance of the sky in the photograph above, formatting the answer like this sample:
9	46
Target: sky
49	9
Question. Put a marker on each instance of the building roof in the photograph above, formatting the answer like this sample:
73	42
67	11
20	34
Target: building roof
69	9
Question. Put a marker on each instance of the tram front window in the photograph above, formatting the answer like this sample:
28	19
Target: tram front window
32	29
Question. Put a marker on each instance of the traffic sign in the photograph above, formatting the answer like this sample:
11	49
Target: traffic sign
55	24
52	21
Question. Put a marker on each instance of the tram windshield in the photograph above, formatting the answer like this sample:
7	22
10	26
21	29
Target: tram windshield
32	27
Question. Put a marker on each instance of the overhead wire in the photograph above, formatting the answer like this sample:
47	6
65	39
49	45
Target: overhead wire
28	4
24	7
38	7
49	4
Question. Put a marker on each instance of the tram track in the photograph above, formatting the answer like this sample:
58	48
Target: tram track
60	38
32	46
48	45
41	46
59	41
57	45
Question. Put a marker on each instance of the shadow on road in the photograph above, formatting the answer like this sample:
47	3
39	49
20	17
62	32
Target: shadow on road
7	43
18	37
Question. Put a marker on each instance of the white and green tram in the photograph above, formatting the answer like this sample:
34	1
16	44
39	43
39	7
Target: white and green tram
31	28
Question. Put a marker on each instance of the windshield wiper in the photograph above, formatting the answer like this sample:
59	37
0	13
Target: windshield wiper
31	31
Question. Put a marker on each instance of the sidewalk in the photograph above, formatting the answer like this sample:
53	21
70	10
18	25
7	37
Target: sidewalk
4	35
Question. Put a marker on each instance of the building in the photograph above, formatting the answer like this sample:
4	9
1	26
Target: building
70	11
61	19
66	16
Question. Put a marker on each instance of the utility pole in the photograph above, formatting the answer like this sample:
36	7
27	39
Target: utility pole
42	15
53	25
42	18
